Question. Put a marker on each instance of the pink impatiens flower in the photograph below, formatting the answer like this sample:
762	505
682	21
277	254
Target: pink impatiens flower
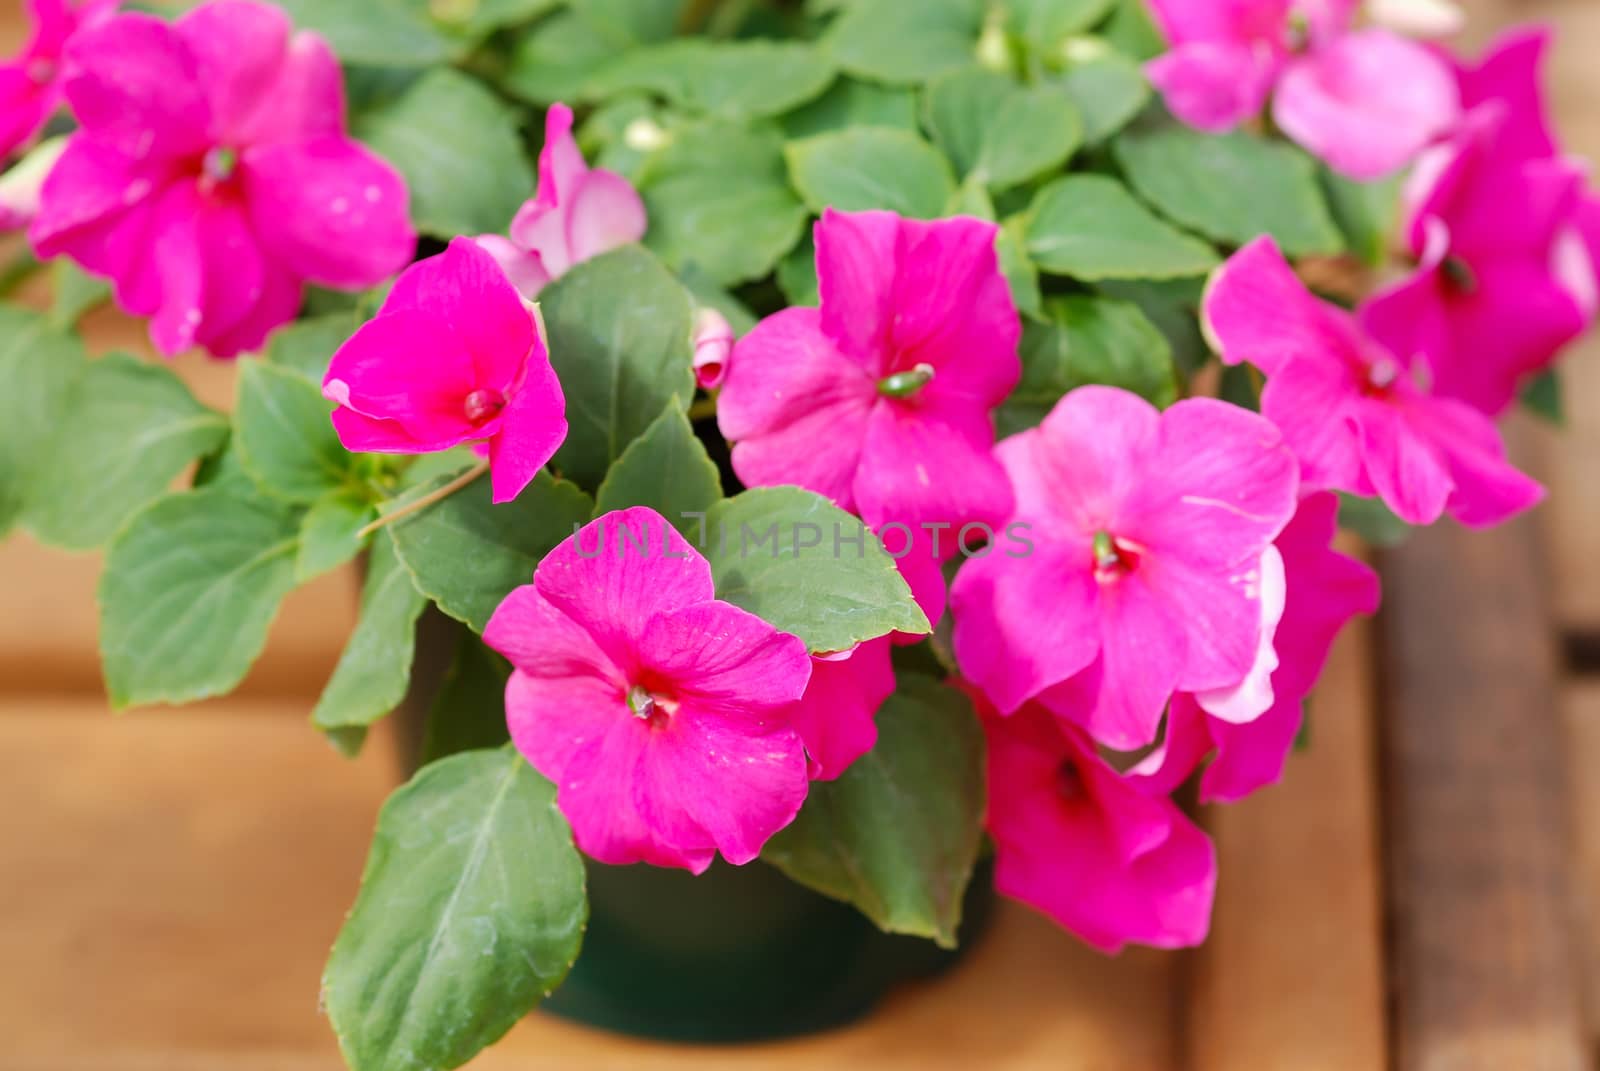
1350	405
1364	101
577	213
212	176
835	716
661	714
1324	590
30	85
1495	218
1148	530
453	356
713	343
881	398
1092	849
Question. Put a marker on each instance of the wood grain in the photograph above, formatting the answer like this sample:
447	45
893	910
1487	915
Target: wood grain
1292	974
1484	968
1581	706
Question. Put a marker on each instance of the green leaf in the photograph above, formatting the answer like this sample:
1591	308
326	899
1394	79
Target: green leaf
1373	521
1087	340
718	198
667	468
555	60
897	834
1106	87
1046	24
38	365
189	588
871	167
76	292
1089	227
797	274
383	33
630	23
307	346
466	554
284	437
1543	397
1367	213
851	102
329	532
1230	187
471	910
1132	31
375	668
791	558
1173	305
1021	275
728	79
997	131
127	431
470	710
904	44
458	147
619	328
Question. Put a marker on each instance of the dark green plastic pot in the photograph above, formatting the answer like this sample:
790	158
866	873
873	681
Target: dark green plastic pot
734	954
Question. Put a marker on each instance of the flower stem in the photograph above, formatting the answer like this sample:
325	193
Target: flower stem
426	500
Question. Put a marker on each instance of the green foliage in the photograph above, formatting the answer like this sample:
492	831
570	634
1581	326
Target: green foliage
852	102
284	437
1106	87
995	130
1086	340
471	910
470	710
801	563
871	167
897	834
901	44
1231	187
38	365
1089	227
459	149
729	79
667	469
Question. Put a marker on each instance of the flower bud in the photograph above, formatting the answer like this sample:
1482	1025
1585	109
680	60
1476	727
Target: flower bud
19	187
713	342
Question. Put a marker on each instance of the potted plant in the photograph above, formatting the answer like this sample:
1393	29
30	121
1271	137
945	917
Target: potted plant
812	465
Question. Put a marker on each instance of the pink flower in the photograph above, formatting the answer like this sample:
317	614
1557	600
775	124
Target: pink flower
835	716
1505	280
713	342
661	714
1324	590
30	85
577	213
1148	530
212	176
1351	407
453	356
1088	847
881	398
1364	101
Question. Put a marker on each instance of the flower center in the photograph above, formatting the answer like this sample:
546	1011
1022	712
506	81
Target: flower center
41	71
1297	32
219	164
648	707
1069	782
483	405
1112	557
1459	276
906	384
1381	375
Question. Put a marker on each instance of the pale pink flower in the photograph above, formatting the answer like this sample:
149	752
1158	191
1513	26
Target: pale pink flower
1365	101
452	357
1352	408
1148	530
713	343
662	714
212	176
576	213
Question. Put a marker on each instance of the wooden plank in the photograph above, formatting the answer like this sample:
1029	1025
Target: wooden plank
1293	972
1582	716
177	879
1484	968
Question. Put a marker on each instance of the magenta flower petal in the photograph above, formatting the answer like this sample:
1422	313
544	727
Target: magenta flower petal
856	257
835	716
330	210
713	346
134	83
532	428
1082	463
1246	699
1367	102
1088	847
524	269
1213	86
661	714
410	369
1324	590
1510	74
923	464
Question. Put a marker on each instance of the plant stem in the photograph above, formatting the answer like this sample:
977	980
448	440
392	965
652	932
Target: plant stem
426	500
704	409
